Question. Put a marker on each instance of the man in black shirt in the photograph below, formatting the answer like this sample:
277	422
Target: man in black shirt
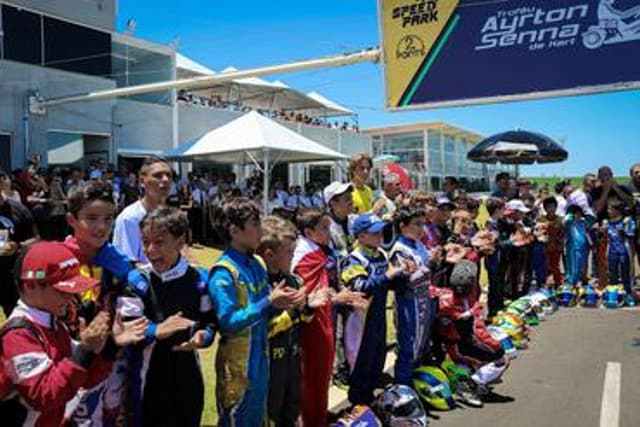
608	189
17	230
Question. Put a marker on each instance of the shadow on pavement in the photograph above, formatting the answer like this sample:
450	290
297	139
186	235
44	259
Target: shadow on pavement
494	397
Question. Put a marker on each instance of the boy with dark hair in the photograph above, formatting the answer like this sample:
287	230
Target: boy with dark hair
316	263
239	285
276	249
178	304
45	369
620	231
90	216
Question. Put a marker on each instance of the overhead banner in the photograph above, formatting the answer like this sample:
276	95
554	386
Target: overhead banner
440	53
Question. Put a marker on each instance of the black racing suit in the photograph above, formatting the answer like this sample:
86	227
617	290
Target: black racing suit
173	388
284	367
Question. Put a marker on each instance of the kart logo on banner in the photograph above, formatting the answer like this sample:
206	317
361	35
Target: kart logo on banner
458	52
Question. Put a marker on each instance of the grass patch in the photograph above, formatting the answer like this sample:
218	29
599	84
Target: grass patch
205	257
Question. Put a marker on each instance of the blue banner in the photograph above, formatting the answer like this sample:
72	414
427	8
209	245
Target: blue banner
492	51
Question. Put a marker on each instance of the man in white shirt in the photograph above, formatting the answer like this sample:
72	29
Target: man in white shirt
155	180
293	201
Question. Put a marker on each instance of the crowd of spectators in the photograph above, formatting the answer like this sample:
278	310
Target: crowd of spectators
283	115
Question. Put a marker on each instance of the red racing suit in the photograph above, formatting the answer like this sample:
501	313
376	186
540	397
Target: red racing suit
47	370
461	327
313	265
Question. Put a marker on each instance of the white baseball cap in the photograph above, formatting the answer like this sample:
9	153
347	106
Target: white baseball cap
517	205
334	189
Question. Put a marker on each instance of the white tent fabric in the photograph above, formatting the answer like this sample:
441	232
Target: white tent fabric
329	108
258	139
251	135
189	67
261	94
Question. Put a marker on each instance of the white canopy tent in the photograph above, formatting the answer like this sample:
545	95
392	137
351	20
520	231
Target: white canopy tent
328	109
260	94
187	67
264	141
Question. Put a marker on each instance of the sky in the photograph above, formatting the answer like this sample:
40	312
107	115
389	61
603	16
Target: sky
596	129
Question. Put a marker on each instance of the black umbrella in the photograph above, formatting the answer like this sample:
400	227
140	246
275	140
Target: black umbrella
517	147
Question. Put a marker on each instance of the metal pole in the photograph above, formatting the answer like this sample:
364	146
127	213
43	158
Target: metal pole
265	182
371	55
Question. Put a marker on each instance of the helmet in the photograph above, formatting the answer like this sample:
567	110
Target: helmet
536	306
522	308
613	296
432	385
588	296
359	415
456	372
513	326
566	295
398	405
541	298
504	339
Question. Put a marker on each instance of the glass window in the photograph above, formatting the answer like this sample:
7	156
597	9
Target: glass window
76	48
404	142
21	35
435	155
450	161
134	66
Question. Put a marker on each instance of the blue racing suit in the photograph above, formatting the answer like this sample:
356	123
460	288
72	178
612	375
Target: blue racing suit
415	308
239	287
576	248
619	234
365	332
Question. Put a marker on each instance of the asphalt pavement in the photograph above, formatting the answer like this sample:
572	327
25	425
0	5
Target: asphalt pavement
560	379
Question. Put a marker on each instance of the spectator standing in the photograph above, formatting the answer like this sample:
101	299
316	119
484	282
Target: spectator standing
6	188
58	200
609	189
17	230
360	175
155	180
293	201
450	187
634	186
504	190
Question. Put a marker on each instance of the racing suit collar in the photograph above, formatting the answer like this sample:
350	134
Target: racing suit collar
367	250
408	242
239	257
174	272
42	318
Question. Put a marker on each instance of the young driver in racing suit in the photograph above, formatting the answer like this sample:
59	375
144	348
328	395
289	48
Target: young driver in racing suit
462	328
46	370
414	304
178	304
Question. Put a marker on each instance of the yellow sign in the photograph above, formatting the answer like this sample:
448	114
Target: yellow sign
410	29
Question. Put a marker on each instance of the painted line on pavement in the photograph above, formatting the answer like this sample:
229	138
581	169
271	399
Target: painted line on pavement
610	407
